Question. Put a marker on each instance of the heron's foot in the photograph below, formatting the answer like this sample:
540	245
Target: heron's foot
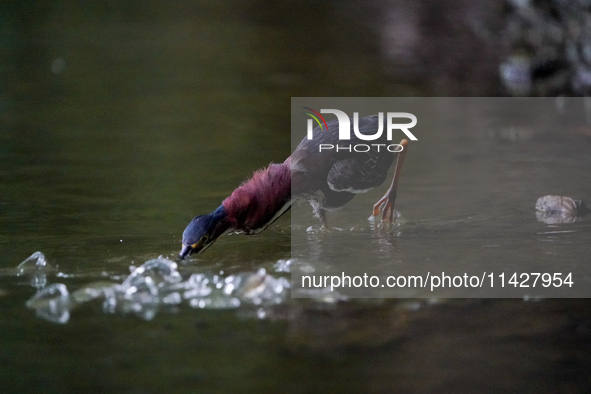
321	215
386	207
386	204
320	229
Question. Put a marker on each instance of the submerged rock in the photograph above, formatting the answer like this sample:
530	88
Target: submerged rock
558	209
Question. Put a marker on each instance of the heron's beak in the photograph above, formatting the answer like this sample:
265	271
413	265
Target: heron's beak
185	251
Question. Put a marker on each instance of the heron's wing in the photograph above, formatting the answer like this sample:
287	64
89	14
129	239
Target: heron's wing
347	170
357	172
360	172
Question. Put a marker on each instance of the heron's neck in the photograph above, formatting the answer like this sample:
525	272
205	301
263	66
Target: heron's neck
221	220
258	201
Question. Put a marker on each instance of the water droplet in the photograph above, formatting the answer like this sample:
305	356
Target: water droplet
52	303
35	262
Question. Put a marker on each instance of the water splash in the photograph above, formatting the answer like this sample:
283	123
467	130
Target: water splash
35	268
34	262
158	284
92	292
52	303
283	265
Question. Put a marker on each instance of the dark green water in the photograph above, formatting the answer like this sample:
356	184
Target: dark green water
154	114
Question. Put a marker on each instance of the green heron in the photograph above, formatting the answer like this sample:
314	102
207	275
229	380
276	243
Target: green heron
327	178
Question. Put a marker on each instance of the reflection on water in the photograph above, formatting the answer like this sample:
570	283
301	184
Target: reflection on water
121	122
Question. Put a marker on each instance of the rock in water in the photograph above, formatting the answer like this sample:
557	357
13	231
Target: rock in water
559	209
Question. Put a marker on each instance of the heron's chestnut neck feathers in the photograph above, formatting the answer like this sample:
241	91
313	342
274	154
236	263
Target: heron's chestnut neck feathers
254	204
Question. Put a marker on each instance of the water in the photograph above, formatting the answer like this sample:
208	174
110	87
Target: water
158	284
467	200
119	124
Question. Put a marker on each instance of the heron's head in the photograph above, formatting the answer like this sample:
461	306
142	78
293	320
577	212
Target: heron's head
202	232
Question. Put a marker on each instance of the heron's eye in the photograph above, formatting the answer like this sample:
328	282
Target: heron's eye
204	238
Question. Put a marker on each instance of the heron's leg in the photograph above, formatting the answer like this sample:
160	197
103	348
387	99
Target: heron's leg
322	217
386	203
